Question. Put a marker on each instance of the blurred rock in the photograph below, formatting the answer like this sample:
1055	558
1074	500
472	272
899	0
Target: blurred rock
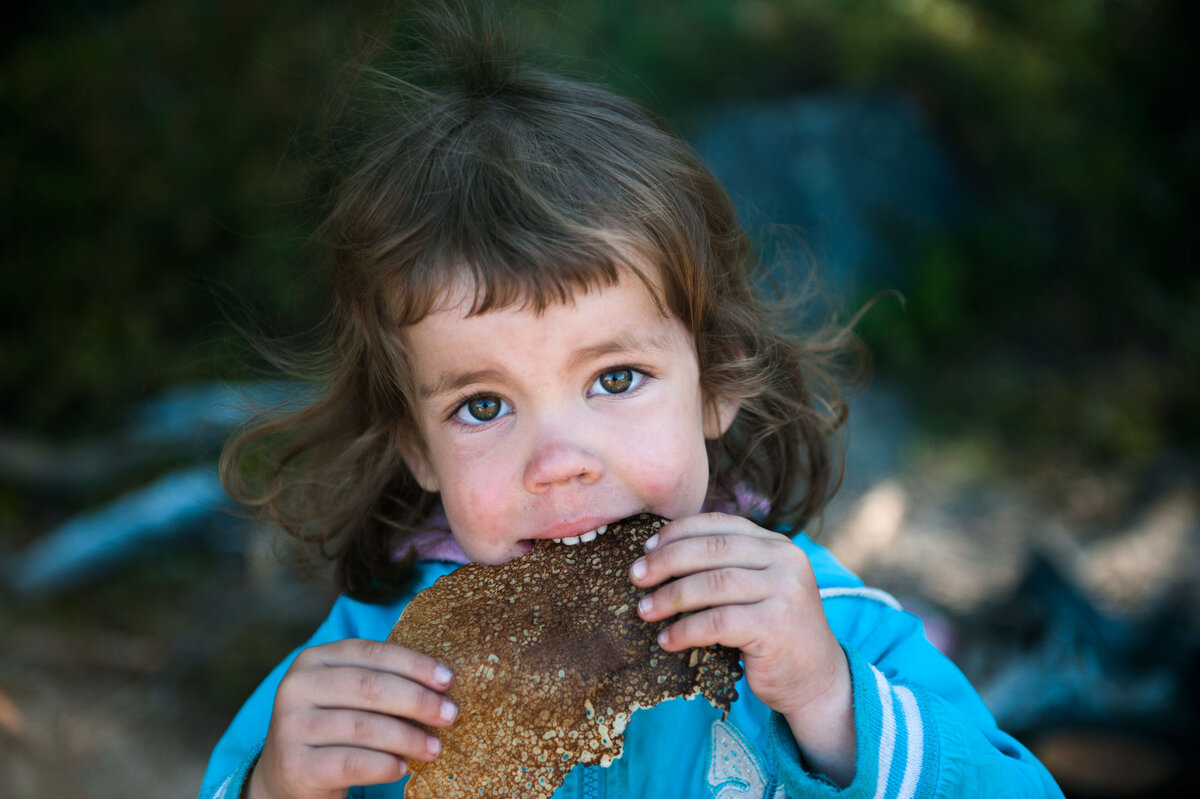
181	422
1047	656
1106	700
88	546
859	177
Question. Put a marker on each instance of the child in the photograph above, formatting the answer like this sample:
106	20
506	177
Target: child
543	322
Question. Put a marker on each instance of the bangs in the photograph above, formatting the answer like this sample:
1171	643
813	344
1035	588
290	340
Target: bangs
512	270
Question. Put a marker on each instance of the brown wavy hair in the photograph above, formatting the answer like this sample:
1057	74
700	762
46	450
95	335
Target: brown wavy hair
535	187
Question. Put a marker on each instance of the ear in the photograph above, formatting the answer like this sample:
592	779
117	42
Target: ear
719	414
415	458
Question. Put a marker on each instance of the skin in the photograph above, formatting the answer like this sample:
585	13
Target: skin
536	426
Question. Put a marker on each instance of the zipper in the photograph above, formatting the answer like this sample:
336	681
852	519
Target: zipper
593	783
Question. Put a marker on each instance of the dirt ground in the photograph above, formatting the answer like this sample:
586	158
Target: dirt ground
120	688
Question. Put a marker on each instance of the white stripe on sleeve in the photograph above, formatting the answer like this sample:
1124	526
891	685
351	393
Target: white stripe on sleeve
875	594
887	735
916	743
220	793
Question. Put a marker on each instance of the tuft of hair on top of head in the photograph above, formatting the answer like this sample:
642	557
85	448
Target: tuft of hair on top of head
468	43
448	45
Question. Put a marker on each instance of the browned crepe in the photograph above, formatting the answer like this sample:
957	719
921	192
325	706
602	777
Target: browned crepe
550	659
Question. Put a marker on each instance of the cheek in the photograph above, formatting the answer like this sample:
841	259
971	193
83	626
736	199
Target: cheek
476	496
675	466
471	489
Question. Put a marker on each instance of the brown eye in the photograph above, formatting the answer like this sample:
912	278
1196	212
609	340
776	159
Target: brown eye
483	408
616	382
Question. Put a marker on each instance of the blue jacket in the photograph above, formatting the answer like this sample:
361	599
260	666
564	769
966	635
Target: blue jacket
922	729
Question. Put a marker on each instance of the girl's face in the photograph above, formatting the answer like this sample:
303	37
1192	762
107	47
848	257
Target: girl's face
551	425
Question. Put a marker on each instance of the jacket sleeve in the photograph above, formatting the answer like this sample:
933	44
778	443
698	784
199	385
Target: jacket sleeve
922	730
238	749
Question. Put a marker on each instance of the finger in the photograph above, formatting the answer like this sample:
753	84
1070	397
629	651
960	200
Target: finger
359	688
340	766
727	625
681	557
706	524
384	656
705	589
359	729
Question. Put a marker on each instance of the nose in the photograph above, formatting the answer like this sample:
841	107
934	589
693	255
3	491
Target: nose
561	463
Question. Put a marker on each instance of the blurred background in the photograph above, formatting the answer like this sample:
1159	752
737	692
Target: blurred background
1022	470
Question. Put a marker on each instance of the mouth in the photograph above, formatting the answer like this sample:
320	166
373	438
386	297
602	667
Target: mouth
583	538
551	536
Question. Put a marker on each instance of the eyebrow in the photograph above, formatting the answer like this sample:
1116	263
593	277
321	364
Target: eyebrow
623	343
454	382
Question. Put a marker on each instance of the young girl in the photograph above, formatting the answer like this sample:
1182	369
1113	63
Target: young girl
543	322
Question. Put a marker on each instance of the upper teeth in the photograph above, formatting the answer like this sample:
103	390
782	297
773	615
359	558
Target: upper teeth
590	535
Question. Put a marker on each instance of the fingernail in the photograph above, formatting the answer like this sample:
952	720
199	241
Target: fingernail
448	711
651	542
638	570
442	675
433	745
644	604
663	639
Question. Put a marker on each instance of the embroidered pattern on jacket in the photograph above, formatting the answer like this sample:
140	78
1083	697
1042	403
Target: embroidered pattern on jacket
735	769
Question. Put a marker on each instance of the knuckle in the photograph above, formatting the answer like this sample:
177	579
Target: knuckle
376	650
793	554
715	621
309	726
716	581
289	693
350	767
304	659
362	728
717	544
284	691
370	686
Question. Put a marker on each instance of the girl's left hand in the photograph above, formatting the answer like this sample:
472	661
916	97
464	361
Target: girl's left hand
752	589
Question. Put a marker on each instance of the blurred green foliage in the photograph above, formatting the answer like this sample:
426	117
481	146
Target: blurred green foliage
146	191
153	167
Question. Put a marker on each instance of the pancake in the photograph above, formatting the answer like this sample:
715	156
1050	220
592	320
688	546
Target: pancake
550	659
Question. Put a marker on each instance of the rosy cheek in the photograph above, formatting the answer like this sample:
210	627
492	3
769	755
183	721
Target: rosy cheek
667	486
477	507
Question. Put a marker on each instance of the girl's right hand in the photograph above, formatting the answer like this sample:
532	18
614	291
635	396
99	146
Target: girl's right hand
343	716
